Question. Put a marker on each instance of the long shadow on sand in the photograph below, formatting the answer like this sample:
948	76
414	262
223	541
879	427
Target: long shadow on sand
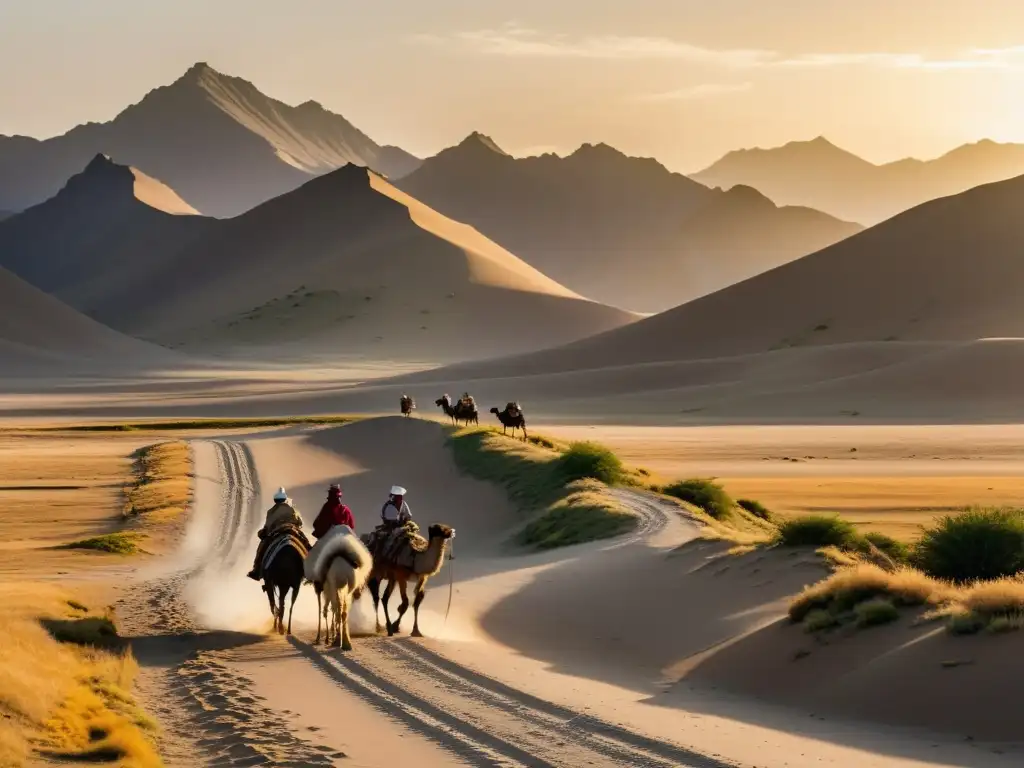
641	619
168	650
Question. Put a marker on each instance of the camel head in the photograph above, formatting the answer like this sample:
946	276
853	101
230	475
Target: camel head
440	531
495	411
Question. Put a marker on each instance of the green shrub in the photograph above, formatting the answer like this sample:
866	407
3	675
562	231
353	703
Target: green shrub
976	544
586	460
819	620
704	494
872	613
112	543
819	531
897	550
756	508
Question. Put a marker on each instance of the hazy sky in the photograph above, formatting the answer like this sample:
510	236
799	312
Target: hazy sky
681	80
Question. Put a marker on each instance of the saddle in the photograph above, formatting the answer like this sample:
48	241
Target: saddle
513	410
284	537
397	545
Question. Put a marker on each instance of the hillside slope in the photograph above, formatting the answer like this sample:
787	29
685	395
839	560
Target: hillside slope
821	175
346	264
217	140
623	230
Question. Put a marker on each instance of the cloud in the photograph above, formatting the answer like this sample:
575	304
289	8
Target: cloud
701	91
514	41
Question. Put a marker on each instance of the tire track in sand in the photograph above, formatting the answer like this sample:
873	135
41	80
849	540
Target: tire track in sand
211	715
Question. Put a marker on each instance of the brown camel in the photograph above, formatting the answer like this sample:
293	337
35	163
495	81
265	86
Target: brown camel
458	412
512	416
413	559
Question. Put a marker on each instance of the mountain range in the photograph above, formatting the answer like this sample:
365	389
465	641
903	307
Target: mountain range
945	272
216	140
345	264
622	230
820	175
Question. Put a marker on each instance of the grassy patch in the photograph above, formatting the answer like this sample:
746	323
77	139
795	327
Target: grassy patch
566	488
124	543
976	544
190	424
582	461
64	701
844	590
586	514
161	486
94	631
875	612
819	531
703	494
756	508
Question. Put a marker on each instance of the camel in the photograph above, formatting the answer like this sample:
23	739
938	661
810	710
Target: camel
457	412
408	405
344	580
407	563
284	574
510	418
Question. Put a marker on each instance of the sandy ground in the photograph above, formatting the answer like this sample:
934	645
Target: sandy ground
891	479
617	653
542	660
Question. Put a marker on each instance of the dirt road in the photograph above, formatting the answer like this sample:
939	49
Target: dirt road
209	682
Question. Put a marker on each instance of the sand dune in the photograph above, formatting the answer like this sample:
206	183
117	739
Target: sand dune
538	636
6	215
622	230
345	263
944	272
820	175
41	336
223	145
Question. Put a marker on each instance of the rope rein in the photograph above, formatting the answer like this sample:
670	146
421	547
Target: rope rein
451	577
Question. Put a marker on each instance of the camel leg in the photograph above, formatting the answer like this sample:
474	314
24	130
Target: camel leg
273	608
291	608
346	638
421	591
335	618
403	606
282	594
374	584
319	608
384	599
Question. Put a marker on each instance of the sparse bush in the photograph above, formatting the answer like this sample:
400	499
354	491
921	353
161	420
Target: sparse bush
848	587
704	494
756	508
897	550
819	620
584	460
874	612
819	531
974	545
111	543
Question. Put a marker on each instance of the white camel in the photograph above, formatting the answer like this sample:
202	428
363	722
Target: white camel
342	567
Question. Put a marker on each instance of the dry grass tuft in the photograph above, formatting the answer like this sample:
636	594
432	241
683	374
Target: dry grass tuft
61	701
841	592
162	484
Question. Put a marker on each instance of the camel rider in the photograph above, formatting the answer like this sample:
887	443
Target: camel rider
467	401
333	513
396	509
279	516
514	410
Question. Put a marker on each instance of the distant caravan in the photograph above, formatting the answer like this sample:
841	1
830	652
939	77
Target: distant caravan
513	417
462	411
408	405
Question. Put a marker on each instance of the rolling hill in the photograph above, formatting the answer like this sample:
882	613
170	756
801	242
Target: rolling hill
40	335
946	272
821	175
217	140
622	230
344	265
